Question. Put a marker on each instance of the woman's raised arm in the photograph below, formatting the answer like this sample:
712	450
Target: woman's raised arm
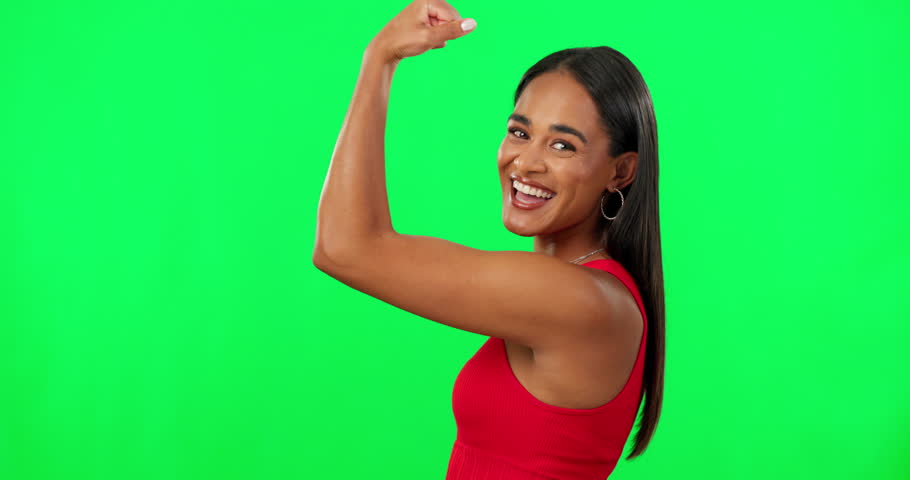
354	205
536	300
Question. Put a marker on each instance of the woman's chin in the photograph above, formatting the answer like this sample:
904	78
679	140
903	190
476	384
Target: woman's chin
519	229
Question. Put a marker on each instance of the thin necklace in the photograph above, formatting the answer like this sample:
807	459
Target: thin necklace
586	256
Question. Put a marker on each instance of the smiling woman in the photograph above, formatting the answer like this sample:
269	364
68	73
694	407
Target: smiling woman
574	347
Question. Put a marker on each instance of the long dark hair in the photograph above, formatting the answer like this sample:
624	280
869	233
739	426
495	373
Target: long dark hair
633	237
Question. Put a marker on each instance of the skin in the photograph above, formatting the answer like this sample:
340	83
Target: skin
571	332
579	172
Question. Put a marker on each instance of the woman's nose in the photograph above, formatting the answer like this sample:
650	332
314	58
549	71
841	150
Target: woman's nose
530	162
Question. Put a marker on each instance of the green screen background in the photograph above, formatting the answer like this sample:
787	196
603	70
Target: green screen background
161	165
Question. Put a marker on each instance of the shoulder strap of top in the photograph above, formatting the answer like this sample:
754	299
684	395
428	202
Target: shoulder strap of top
610	265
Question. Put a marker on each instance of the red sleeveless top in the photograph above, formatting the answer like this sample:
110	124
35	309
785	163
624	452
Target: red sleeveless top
506	433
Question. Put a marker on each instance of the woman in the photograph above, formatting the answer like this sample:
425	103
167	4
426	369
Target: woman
574	344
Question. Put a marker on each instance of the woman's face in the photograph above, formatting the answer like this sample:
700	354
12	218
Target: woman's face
554	138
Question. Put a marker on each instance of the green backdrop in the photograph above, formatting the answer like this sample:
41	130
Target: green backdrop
160	168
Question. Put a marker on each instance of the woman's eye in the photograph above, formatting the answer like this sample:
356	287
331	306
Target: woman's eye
513	130
566	145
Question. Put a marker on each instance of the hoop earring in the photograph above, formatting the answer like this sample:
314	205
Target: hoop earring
622	202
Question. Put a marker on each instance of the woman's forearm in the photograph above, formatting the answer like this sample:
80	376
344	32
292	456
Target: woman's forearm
354	205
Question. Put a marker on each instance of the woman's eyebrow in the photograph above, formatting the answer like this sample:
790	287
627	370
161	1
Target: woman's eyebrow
556	127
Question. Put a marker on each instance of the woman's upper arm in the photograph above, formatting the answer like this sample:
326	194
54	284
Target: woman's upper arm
525	297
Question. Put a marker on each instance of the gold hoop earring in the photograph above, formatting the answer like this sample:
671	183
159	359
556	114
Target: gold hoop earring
622	201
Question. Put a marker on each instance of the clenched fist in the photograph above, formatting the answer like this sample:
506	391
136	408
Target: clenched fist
421	26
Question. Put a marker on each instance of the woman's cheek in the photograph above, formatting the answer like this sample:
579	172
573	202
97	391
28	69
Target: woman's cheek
505	154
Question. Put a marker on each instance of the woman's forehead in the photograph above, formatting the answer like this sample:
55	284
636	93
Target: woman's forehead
555	97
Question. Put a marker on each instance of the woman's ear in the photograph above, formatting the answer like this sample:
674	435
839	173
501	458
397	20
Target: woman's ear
626	166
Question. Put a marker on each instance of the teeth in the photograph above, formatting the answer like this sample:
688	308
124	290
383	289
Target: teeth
526	189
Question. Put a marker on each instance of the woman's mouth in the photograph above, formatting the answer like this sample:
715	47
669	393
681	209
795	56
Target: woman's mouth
528	201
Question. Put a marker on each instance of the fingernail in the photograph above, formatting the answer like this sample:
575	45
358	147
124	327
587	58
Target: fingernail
468	24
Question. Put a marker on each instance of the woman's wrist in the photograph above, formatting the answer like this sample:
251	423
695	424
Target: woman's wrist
375	53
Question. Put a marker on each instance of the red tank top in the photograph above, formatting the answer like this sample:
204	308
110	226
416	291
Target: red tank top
506	433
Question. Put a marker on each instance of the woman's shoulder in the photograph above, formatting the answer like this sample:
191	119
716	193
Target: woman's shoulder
622	294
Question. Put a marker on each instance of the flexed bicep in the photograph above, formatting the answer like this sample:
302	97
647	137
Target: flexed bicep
526	297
